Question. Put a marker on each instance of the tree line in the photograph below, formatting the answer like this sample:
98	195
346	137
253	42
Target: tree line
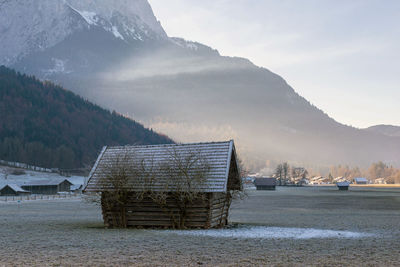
374	171
286	174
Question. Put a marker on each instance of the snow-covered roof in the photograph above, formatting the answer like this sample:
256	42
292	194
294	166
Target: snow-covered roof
76	187
360	179
46	182
15	188
339	184
220	158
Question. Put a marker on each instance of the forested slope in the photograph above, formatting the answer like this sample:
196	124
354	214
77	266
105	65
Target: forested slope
45	125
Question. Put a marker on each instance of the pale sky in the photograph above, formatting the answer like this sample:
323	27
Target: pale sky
341	55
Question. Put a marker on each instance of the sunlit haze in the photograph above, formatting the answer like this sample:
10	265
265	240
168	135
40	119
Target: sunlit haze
342	56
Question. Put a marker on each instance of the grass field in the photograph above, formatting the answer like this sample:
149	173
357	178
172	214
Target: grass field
70	232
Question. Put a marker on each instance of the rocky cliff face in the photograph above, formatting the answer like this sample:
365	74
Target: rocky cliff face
29	26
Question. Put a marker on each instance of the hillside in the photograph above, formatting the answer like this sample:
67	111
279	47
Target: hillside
45	125
123	60
389	130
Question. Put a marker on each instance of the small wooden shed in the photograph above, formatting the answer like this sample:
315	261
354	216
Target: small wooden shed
48	187
343	185
265	183
209	210
360	180
12	190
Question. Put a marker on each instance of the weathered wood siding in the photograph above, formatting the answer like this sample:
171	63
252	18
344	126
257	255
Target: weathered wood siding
64	187
41	189
210	211
219	209
265	187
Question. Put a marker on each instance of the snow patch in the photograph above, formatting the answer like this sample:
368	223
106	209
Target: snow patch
90	17
116	33
185	44
59	67
28	26
33	176
192	46
138	37
264	232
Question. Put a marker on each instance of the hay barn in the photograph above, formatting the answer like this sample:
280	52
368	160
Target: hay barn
343	185
265	183
48	187
210	208
13	190
360	180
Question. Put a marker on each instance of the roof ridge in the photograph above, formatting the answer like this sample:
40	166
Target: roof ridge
176	144
14	187
43	181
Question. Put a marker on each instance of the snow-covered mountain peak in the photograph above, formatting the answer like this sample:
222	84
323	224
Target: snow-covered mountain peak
140	10
28	26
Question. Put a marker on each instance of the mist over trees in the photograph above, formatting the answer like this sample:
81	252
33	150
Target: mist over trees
43	124
285	174
374	171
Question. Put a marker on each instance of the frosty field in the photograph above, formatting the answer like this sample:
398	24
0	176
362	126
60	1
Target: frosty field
290	226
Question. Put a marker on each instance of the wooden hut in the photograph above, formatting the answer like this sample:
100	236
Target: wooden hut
265	183
360	180
343	185
209	209
12	190
48	187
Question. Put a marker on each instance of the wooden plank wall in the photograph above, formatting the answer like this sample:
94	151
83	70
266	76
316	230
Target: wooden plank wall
210	211
219	210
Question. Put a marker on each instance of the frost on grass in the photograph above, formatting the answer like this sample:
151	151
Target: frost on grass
273	233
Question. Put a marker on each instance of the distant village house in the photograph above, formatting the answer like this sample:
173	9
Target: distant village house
13	190
48	187
319	180
380	181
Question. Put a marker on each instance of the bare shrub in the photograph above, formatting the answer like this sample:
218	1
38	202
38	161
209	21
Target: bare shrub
180	179
115	186
183	178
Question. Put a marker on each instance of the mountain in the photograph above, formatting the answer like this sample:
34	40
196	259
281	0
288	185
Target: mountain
388	130
116	54
45	125
30	26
